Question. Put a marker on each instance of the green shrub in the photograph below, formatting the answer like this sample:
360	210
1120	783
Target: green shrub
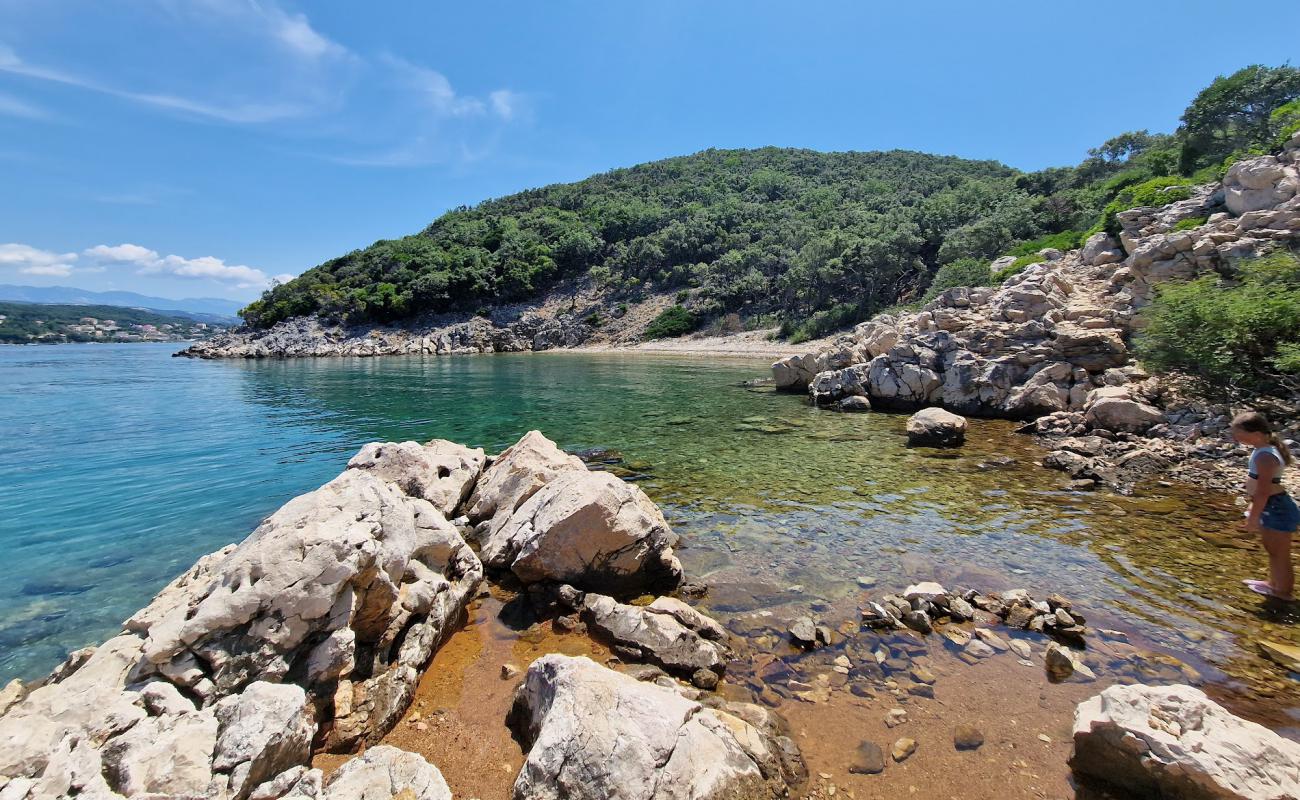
1190	223
674	321
1284	122
682	296
837	317
1235	337
594	320
1153	192
1065	240
1016	267
962	272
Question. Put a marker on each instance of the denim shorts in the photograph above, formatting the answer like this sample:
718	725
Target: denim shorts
1280	514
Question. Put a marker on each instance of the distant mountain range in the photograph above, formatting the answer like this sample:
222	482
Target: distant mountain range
203	309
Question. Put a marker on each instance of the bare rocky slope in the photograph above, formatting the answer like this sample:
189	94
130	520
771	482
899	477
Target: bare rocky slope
1051	345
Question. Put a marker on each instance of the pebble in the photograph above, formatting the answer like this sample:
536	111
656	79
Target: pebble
921	690
992	639
508	671
1020	648
868	760
967	737
978	649
903	748
866	581
922	675
1042	737
895	717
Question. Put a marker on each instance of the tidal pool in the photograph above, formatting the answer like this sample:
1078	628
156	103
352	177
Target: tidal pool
119	465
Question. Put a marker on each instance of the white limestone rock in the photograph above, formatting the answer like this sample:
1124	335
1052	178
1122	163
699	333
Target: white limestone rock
385	772
591	530
517	474
657	744
1173	741
441	472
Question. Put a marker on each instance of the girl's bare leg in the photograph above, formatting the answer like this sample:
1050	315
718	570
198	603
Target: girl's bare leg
1280	570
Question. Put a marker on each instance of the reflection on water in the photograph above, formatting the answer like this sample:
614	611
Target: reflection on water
120	465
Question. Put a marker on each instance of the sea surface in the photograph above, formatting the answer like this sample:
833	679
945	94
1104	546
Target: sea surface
120	465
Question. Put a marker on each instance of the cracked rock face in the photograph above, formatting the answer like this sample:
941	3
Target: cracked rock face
1173	741
596	734
441	472
590	530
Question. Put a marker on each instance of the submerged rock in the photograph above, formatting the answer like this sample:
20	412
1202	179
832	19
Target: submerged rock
934	427
868	760
1173	741
659	744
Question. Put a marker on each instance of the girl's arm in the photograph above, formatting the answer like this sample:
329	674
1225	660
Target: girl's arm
1267	468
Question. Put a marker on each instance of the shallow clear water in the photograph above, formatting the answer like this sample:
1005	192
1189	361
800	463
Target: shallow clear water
119	465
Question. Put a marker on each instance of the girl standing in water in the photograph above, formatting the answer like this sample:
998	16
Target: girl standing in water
1271	511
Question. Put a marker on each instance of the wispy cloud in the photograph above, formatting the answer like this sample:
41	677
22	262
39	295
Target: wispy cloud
263	63
238	113
13	107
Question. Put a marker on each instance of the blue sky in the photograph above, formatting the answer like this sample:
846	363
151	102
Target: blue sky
204	147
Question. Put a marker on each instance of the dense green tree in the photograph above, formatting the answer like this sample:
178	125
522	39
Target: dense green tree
1232	113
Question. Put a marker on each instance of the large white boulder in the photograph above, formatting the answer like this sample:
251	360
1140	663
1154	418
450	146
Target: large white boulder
386	772
596	734
516	474
1121	414
1173	741
591	530
441	472
1256	184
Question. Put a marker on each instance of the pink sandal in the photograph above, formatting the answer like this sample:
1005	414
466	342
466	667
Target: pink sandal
1259	587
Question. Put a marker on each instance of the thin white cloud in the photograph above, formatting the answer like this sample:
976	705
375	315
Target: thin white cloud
13	107
433	89
48	270
149	262
33	261
238	113
505	103
296	34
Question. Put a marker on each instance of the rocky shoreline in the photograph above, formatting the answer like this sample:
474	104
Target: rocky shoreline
311	635
1051	345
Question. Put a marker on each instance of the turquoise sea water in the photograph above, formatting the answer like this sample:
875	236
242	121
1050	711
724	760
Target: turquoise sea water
119	465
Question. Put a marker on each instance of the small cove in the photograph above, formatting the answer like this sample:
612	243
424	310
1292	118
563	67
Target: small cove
119	465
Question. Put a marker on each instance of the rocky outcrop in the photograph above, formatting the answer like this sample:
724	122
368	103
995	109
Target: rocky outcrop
588	529
516	475
441	335
315	627
1052	343
591	732
312	632
1173	741
934	427
667	633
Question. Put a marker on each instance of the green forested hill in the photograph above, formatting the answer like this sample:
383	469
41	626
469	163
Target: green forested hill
796	233
21	323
